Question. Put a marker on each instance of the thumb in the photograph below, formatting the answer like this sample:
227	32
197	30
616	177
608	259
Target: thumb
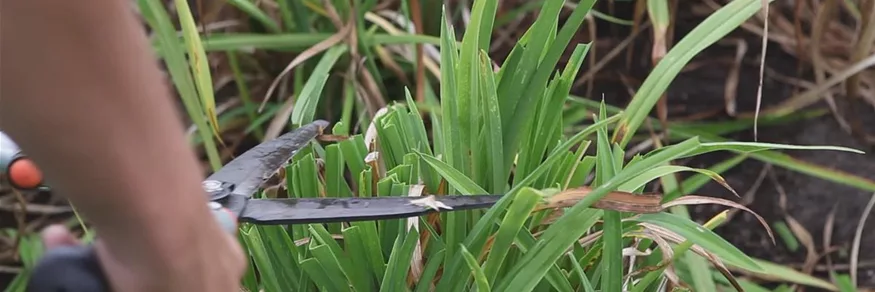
55	236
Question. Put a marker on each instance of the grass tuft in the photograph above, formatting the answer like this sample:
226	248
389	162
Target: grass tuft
486	127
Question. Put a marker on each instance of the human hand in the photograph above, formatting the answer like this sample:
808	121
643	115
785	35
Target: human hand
198	270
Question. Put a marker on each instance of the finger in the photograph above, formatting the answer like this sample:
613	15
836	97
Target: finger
238	255
57	235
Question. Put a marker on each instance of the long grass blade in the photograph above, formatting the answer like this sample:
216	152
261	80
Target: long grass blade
712	29
156	16
198	63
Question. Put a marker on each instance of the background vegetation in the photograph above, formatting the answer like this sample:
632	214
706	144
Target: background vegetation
561	105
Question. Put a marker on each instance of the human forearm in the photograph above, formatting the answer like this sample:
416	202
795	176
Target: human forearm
109	138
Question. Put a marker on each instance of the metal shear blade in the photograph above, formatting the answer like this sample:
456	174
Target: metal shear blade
234	184
246	173
327	210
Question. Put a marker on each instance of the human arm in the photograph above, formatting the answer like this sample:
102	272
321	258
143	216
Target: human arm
82	94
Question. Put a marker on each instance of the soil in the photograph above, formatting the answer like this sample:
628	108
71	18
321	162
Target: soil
809	200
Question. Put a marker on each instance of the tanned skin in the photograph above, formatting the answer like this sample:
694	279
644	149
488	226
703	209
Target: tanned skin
83	95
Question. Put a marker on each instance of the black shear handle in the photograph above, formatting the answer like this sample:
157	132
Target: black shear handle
77	269
69	269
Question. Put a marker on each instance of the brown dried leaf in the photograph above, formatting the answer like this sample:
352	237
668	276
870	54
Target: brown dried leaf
827	238
372	96
677	238
552	217
813	95
416	262
390	63
719	265
603	61
332	14
331	138
667	251
864	43
730	90
826	12
371	133
306	240
617	201
855	249
806	239
279	120
765	42
416	13
674	279
663	232
306	55
589	238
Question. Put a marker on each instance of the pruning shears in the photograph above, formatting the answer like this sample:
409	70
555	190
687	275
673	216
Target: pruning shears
230	191
16	168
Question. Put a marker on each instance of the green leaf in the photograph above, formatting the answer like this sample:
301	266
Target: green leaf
335	260
294	42
786	235
305	105
174	54
19	283
354	152
449	106
568	228
331	267
453	176
535	263
696	181
514	124
370	241
513	221
477	235
468	89
198	63
658	12
844	282
395	278
664	170
699	271
767	156
316	272
356	248
751	287
479	276
555	277
256	13
305	177
703	237
434	263
250	107
269	267
709	31
750	147
584	281
786	274
335	183
612	254
492	127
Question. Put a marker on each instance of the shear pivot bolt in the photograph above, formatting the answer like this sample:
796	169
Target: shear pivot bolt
212	186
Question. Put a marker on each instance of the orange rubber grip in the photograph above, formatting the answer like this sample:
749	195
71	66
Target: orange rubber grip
25	174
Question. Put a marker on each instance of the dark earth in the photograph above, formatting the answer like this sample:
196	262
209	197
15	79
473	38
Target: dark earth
809	200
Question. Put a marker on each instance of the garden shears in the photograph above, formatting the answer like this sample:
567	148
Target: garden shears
230	191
